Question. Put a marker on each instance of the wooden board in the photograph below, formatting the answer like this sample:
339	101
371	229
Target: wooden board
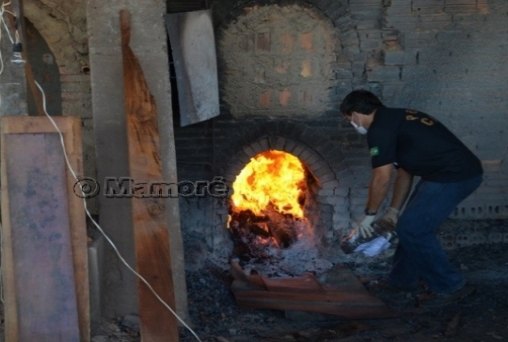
148	214
45	265
192	41
346	298
333	302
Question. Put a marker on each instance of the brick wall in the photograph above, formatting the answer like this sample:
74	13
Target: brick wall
442	57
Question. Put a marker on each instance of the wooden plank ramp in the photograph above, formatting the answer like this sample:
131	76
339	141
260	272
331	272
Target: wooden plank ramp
347	298
148	214
44	257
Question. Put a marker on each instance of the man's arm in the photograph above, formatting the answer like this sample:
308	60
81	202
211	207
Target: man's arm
378	188
401	188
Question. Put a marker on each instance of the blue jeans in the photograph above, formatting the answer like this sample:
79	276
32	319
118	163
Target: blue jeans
419	255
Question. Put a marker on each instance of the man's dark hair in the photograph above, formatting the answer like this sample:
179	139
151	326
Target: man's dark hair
361	101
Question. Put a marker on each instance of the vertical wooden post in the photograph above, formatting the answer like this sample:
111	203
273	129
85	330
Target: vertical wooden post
148	214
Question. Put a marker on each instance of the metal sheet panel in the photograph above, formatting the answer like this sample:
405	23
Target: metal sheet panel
192	42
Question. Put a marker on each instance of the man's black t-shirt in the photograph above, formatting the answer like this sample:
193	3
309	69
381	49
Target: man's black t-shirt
421	145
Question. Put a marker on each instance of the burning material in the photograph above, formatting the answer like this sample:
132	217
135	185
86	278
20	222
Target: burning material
273	226
271	179
267	213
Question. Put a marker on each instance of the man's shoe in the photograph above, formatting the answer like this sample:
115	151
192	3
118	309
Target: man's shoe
392	294
431	299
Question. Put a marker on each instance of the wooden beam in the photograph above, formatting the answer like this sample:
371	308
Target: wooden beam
148	214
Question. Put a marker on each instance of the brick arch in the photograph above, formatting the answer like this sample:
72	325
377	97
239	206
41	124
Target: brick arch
280	82
226	11
332	203
66	40
284	57
316	165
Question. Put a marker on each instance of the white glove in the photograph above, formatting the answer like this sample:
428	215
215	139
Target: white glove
391	215
364	226
388	221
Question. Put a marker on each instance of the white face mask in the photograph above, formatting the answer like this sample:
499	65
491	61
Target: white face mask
360	129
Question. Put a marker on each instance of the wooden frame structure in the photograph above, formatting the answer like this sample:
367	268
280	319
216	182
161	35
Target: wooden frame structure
44	240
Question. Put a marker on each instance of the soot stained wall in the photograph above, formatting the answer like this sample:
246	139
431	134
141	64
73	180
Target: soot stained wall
442	57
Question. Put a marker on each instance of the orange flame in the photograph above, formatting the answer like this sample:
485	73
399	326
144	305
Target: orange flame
271	178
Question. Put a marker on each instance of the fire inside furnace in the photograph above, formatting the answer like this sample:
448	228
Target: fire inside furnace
268	207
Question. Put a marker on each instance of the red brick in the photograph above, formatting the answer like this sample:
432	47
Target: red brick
306	68
282	67
263	41
306	41
284	97
265	98
287	42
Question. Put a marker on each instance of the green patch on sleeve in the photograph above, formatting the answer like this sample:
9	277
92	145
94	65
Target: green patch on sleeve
374	151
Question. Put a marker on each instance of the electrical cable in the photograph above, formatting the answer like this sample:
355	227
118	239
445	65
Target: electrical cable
16	44
2	11
99	228
4	25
